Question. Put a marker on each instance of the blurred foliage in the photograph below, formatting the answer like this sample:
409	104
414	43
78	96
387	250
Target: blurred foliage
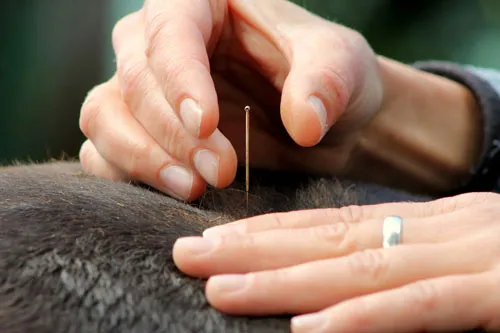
53	52
51	55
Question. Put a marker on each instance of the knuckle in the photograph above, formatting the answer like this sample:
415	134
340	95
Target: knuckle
94	164
122	27
90	110
323	34
372	264
356	41
336	235
116	36
85	156
337	82
349	41
424	295
117	33
351	213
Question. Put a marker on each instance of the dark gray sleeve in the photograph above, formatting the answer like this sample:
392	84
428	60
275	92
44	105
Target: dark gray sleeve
485	85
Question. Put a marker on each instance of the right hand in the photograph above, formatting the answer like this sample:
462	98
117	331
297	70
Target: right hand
181	62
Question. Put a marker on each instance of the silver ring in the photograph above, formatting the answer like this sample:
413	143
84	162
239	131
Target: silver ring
391	231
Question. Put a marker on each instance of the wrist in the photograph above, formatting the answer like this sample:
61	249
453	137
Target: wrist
426	136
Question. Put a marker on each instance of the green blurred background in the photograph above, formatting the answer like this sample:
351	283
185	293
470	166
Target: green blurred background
53	52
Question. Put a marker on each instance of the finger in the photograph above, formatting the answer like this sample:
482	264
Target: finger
317	217
94	164
214	158
325	80
320	284
317	89
444	304
120	140
277	248
316	82
177	36
349	214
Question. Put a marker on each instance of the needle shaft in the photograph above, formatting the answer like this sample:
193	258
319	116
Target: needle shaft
247	152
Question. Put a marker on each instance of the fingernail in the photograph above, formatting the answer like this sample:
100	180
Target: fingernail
196	245
316	322
219	140
229	283
207	164
226	229
320	109
178	180
191	114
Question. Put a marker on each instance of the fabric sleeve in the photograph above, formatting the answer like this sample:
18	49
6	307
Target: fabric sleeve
485	86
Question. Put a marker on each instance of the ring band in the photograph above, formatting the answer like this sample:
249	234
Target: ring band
391	231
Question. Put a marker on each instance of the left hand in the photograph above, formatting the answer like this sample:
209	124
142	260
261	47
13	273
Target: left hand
301	75
444	275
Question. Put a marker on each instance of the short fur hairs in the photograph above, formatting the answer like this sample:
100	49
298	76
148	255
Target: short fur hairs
82	254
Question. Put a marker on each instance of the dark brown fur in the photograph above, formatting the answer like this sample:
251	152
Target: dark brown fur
81	254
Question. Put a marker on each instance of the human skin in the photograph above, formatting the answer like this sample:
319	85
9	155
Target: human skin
443	277
376	112
322	102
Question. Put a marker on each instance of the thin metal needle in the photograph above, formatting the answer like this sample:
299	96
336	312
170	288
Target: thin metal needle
247	152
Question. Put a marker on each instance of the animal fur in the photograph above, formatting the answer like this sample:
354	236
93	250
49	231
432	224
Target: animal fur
82	254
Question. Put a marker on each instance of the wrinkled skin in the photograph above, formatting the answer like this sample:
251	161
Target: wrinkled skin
271	55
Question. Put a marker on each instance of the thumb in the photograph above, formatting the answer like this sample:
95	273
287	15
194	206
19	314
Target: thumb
326	71
328	66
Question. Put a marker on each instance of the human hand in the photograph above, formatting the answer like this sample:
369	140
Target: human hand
330	262
185	71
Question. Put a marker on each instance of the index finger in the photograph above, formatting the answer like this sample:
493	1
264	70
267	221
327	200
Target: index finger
177	34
